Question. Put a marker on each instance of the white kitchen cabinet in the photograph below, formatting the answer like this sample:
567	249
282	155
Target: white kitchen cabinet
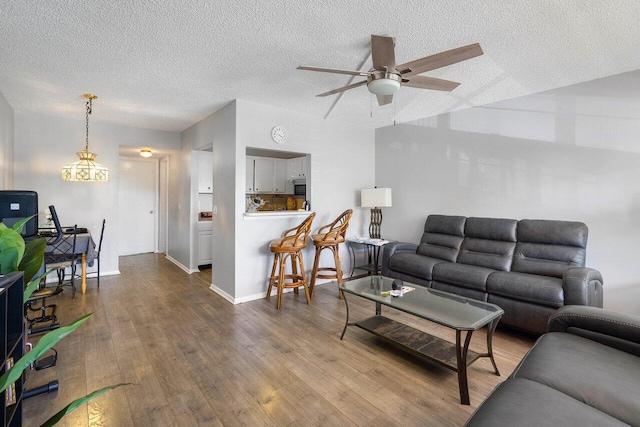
264	168
297	168
205	247
205	172
279	175
249	186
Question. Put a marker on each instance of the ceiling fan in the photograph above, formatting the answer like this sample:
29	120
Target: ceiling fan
386	77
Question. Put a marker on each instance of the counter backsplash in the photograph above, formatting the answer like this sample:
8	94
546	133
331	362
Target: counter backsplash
276	202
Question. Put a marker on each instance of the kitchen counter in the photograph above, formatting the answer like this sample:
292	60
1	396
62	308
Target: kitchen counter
276	214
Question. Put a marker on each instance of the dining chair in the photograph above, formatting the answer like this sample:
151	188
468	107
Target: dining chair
290	247
61	254
96	253
329	237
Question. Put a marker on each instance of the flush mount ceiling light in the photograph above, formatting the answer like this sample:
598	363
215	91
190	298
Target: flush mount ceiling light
86	169
145	152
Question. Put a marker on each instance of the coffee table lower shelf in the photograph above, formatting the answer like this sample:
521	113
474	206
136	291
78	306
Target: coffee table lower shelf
415	341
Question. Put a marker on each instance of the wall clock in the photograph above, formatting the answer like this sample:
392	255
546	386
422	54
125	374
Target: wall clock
279	135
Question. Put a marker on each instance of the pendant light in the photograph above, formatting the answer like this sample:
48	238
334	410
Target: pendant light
86	169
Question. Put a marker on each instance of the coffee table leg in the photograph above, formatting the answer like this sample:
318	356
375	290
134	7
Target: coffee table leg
490	330
461	357
346	323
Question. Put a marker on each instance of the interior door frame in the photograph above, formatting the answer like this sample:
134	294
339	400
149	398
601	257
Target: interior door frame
163	209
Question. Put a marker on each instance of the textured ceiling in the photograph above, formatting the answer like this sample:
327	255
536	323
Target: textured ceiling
167	64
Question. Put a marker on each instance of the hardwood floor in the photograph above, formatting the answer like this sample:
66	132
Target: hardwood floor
196	359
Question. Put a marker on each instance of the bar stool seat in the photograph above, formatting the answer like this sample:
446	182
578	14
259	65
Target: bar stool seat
289	247
329	237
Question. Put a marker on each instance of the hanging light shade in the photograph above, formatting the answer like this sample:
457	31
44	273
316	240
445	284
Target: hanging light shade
86	169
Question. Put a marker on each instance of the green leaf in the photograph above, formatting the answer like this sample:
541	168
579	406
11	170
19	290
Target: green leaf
45	343
11	250
33	258
33	285
73	405
19	225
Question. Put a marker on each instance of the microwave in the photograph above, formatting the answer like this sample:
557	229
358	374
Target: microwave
300	190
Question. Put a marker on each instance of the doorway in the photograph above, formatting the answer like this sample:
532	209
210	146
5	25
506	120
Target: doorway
138	196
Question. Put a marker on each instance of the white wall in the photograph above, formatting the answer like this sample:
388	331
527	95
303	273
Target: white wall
6	144
44	144
571	154
342	163
217	129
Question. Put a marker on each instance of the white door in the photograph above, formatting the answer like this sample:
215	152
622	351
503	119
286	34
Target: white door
138	196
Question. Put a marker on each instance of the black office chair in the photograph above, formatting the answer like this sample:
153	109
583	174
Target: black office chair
37	301
96	253
60	253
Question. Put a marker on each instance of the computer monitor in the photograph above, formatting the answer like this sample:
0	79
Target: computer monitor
17	204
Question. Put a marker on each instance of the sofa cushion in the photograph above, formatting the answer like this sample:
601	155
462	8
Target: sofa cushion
488	242
600	376
440	246
523	403
486	253
442	237
527	287
563	233
491	229
549	248
466	276
413	264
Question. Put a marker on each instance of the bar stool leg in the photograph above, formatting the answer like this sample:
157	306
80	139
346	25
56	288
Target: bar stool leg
314	272
282	266
273	275
294	270
303	277
336	257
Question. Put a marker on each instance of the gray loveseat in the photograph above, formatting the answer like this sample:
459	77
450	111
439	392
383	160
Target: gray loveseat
584	372
529	268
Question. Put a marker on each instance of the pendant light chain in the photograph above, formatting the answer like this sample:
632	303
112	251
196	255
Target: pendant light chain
86	147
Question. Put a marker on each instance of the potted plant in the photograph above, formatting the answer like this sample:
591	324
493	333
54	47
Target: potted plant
16	255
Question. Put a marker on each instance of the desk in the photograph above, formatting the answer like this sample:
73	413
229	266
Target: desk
372	247
85	247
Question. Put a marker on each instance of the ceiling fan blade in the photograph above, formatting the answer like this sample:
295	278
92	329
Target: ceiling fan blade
384	99
422	82
440	60
333	70
383	52
342	89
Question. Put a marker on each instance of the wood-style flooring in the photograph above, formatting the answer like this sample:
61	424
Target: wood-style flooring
196	359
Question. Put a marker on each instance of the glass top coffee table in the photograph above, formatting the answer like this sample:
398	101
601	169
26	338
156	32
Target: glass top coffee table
464	315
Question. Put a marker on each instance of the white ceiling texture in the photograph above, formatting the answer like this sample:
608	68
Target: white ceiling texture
166	64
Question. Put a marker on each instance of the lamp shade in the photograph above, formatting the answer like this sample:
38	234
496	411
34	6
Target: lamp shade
375	197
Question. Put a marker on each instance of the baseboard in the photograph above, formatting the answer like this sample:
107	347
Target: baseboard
247	298
182	267
94	274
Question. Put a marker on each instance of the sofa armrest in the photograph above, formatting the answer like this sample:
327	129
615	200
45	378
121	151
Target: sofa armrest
391	249
617	330
582	286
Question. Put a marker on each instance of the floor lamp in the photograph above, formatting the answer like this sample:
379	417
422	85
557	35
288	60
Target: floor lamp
375	198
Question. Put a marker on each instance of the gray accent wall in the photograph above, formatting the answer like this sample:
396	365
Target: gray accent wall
568	154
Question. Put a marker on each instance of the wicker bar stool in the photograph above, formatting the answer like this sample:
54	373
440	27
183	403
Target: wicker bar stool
290	247
329	237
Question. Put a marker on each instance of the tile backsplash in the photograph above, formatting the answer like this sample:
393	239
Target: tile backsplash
274	202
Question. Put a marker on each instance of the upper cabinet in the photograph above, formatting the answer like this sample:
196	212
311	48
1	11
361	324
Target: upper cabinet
265	175
297	168
205	172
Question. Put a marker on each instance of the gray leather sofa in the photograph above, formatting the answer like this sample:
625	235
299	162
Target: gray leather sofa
529	268
584	372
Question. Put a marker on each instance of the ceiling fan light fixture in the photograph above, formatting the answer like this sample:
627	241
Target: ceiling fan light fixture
383	83
145	152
